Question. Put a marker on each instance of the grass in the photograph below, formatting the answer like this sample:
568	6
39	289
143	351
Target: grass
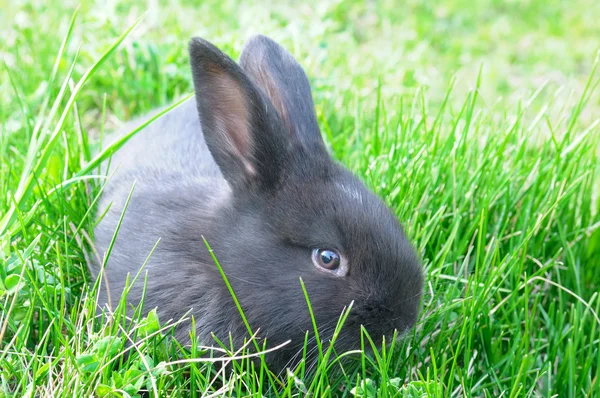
476	122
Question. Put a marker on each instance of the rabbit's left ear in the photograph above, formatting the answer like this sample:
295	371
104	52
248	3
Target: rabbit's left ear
283	81
241	129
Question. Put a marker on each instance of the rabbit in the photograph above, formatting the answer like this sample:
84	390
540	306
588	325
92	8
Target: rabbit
243	165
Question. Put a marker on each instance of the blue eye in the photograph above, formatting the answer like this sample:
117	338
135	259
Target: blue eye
326	258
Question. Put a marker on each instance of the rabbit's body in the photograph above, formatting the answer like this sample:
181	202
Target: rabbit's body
244	166
178	187
170	143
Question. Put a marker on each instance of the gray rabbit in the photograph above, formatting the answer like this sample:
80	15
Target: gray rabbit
244	166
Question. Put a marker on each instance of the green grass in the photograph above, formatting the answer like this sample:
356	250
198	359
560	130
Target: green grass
477	123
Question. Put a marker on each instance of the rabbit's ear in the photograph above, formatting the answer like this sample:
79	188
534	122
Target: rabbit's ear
283	81
241	128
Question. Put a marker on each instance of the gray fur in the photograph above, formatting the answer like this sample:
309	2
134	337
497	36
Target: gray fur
255	180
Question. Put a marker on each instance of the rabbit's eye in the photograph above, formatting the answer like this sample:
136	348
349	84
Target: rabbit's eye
327	259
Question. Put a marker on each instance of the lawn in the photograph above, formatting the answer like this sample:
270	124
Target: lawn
476	121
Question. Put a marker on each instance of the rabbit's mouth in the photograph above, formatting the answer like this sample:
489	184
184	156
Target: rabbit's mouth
381	320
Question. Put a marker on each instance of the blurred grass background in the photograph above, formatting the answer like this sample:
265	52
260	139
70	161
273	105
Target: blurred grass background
344	45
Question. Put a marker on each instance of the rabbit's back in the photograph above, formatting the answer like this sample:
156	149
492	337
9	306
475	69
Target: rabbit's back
177	188
173	142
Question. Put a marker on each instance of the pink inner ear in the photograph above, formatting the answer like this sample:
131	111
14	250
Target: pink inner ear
270	89
232	118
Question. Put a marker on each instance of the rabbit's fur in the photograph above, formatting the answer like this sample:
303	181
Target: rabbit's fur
244	165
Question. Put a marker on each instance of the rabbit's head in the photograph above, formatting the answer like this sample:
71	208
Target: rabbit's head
294	212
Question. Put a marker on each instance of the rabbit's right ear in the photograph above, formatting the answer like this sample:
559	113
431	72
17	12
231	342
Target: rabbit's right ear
284	82
241	128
